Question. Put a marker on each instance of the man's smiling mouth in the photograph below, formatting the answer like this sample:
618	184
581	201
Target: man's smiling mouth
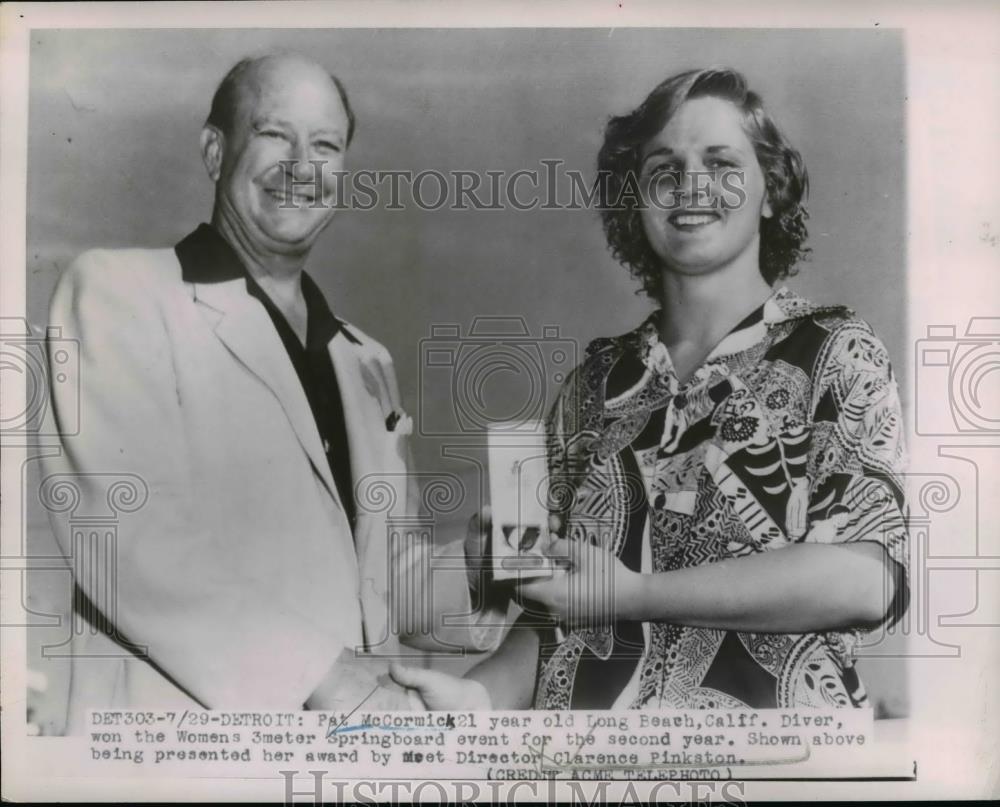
285	198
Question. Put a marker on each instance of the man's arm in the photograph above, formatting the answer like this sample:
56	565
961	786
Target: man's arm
435	581
459	606
167	584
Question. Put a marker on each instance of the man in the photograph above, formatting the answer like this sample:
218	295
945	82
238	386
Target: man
248	419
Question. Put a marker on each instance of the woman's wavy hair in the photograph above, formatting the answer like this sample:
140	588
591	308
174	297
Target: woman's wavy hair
782	237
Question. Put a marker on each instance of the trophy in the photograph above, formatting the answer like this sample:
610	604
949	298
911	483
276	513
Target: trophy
518	471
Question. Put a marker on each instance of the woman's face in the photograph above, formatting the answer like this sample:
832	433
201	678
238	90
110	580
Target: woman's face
702	189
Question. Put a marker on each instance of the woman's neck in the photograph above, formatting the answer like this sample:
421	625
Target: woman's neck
699	310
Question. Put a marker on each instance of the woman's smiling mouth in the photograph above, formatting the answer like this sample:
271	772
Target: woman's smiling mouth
690	221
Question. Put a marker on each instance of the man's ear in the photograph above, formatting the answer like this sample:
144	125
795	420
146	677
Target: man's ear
212	145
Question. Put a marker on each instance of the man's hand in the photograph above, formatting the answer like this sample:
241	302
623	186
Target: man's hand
355	679
589	585
440	691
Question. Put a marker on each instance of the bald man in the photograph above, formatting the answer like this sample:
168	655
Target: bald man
248	569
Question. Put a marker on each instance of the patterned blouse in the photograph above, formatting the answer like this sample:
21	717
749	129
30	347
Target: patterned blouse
789	432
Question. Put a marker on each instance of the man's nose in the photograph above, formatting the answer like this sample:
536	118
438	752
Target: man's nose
302	169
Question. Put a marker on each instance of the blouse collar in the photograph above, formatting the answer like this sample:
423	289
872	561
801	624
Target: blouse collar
781	307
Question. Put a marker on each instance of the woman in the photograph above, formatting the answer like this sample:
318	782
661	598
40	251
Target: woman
734	422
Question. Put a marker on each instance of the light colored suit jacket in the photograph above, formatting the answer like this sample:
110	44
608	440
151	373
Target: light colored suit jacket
231	577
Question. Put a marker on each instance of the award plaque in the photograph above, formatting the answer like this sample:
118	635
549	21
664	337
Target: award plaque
518	499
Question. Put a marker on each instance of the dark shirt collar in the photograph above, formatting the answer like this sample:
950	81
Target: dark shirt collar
321	324
206	257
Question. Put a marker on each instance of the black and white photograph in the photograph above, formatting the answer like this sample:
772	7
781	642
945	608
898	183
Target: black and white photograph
531	399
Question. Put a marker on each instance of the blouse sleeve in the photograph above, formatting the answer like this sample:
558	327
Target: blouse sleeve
857	460
573	426
559	432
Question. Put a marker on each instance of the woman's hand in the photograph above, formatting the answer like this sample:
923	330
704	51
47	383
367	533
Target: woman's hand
589	585
440	691
476	546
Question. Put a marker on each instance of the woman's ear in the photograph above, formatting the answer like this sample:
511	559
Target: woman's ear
212	145
770	186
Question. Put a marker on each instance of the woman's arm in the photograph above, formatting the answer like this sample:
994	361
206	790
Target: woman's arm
508	674
505	680
803	588
800	588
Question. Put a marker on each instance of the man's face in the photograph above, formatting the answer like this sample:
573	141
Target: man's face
277	175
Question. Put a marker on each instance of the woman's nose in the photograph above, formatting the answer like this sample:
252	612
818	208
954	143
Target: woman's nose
696	183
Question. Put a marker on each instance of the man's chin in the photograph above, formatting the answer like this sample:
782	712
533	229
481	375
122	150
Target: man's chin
293	238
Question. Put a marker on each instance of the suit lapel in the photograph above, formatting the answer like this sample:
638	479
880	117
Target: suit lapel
245	328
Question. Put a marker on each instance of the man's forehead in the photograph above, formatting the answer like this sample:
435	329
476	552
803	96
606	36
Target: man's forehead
278	87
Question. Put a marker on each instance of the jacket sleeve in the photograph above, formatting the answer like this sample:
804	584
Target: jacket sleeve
226	641
439	609
414	580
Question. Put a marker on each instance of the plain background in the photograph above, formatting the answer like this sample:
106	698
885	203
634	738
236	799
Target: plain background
114	119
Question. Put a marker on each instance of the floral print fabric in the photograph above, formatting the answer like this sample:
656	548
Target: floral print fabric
789	432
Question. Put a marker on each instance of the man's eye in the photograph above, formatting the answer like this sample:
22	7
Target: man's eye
326	145
274	133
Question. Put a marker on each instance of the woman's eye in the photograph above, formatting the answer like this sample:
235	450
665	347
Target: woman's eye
272	133
664	169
